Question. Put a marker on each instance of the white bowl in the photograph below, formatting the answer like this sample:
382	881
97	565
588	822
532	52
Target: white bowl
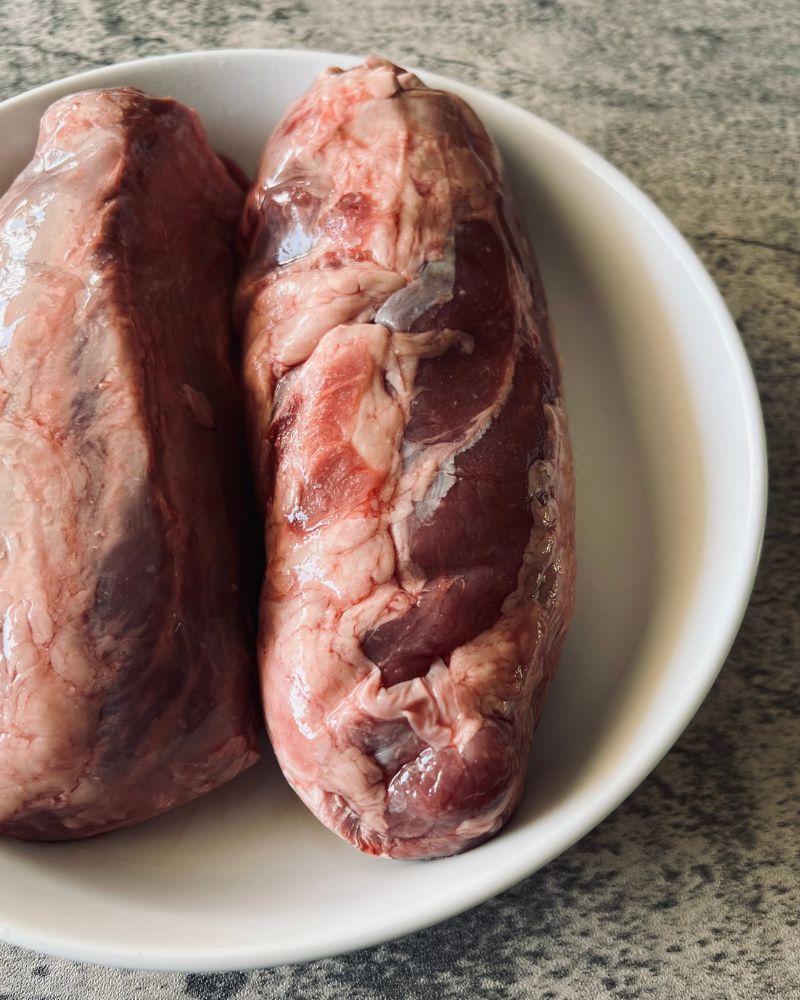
671	476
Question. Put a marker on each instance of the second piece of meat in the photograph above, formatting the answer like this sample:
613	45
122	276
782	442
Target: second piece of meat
127	684
413	462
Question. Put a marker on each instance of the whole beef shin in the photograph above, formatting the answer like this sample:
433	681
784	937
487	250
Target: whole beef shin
412	460
125	665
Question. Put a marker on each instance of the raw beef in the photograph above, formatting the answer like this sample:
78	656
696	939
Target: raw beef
126	673
412	458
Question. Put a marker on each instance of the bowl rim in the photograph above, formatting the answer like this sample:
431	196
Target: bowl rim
629	772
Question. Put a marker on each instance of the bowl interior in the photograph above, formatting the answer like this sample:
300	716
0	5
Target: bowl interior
669	463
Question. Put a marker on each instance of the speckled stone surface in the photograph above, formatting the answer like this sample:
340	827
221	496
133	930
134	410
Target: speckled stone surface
691	889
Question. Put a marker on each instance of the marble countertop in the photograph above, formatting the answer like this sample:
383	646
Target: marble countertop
691	889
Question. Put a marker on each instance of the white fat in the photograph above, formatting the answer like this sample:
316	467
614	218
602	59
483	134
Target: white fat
432	287
431	343
428	704
438	489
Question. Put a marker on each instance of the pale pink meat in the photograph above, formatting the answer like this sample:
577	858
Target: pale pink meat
412	460
125	658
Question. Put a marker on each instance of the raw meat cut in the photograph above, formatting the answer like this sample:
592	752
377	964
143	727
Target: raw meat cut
411	453
127	680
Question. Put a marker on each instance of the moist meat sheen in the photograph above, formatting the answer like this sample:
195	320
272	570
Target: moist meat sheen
126	681
411	453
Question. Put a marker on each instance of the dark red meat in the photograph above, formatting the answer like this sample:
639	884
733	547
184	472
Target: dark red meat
126	682
410	444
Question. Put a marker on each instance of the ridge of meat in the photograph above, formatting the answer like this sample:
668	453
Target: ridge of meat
126	683
412	459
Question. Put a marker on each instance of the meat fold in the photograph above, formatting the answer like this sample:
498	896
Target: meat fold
410	447
126	672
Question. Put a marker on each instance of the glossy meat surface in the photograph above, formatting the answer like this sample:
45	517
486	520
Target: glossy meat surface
413	463
126	676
